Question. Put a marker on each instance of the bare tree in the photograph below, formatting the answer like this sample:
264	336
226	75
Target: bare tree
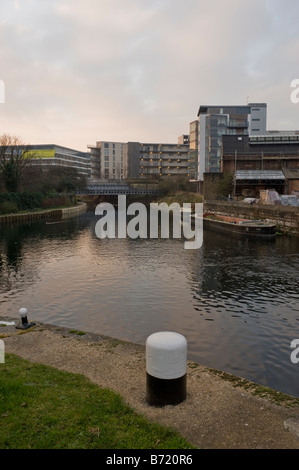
14	156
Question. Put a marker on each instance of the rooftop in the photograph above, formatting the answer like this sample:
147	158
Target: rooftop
260	175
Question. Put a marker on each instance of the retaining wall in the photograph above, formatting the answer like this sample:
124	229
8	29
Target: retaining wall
50	214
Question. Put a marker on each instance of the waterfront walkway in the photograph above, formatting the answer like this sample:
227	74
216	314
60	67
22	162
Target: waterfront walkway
220	412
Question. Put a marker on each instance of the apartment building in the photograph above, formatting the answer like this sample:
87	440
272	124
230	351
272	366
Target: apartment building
193	150
164	159
216	121
116	160
109	161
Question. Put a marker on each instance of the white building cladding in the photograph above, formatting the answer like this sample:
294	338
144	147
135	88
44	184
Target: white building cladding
216	121
108	160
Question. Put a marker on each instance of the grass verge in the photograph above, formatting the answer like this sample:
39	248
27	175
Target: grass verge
44	408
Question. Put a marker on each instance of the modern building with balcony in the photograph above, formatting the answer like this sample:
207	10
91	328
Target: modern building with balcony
117	161
164	160
216	121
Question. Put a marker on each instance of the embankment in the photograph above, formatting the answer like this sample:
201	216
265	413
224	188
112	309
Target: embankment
50	214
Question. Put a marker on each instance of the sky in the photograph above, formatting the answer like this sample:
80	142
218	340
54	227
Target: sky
74	72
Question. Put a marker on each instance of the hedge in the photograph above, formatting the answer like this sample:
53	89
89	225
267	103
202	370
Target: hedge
32	200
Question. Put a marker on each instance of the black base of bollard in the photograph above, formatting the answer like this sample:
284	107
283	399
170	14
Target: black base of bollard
24	326
162	392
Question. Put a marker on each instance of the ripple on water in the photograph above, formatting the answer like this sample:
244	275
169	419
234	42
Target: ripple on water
237	303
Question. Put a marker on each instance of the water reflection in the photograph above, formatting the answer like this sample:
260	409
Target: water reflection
236	300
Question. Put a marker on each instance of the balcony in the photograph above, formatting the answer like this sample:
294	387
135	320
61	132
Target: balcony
233	124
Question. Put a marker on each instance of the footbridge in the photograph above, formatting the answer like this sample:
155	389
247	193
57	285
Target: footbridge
114	189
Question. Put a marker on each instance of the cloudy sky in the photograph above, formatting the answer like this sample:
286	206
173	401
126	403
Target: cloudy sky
79	71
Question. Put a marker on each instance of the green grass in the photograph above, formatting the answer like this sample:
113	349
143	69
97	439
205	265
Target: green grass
44	408
76	332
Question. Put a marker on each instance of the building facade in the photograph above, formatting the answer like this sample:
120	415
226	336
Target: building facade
49	155
261	162
216	121
116	160
273	151
109	161
193	150
164	160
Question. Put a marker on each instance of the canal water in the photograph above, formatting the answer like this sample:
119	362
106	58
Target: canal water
235	299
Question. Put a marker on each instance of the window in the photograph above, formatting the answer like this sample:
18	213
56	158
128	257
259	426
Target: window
106	145
106	158
106	164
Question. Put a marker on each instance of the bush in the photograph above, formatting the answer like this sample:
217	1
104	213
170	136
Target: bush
54	201
32	200
8	207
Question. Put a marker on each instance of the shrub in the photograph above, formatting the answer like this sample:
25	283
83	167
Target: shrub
28	200
8	207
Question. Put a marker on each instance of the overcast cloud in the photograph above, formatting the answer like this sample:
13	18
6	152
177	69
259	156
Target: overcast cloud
79	71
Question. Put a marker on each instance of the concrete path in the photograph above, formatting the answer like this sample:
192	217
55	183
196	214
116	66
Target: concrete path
220	412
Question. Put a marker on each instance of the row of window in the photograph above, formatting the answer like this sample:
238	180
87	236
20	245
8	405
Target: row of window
107	158
163	174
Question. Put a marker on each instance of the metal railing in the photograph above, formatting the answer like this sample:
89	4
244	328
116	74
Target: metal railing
113	189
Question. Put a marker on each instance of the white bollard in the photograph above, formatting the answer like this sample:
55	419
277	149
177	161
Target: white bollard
166	368
23	312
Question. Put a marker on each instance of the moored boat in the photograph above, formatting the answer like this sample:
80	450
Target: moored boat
237	225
